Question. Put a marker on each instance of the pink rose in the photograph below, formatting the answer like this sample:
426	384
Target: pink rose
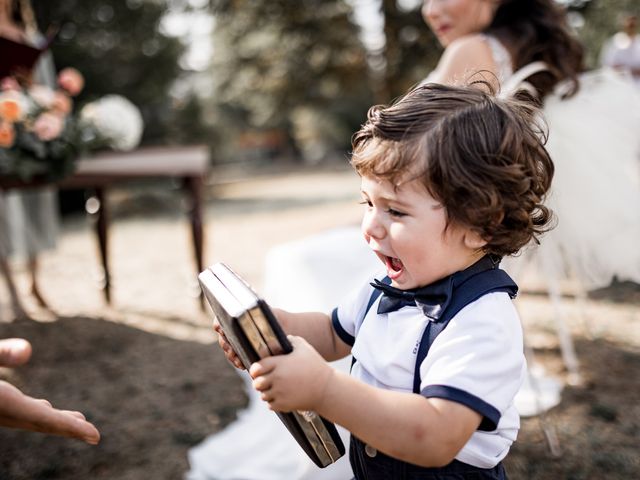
9	83
48	126
71	80
61	103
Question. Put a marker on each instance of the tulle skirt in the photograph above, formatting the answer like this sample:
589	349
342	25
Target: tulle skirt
594	141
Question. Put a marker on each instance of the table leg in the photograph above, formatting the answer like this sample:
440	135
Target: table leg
102	226
193	186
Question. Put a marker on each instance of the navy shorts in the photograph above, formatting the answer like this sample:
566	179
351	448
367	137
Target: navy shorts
382	467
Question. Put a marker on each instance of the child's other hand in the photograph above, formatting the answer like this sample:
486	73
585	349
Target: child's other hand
295	381
226	346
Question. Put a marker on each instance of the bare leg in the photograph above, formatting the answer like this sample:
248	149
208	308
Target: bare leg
18	310
567	348
35	289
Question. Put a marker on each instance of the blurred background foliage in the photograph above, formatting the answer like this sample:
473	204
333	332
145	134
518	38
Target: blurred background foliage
286	79
119	48
295	67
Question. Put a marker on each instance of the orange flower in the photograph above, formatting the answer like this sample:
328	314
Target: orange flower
10	109
71	80
7	134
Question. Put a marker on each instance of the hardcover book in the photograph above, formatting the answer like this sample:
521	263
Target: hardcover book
254	333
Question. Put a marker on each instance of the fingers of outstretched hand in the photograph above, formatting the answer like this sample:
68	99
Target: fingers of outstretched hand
78	427
18	410
69	424
76	414
14	352
66	423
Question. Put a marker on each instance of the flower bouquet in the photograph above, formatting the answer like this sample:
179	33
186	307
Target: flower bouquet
40	136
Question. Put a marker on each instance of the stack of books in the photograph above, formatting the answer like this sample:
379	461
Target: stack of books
254	333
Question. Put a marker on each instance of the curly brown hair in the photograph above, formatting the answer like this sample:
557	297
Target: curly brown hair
482	157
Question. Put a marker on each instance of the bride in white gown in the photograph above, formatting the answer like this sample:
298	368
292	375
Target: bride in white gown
596	199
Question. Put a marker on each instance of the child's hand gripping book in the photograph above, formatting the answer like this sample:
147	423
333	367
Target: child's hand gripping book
254	333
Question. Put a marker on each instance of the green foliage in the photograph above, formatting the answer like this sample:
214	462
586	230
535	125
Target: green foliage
601	20
119	49
188	125
411	50
288	64
275	57
30	156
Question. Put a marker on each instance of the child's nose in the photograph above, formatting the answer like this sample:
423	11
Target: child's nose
371	225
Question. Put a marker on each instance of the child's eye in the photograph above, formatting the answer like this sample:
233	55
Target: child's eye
395	213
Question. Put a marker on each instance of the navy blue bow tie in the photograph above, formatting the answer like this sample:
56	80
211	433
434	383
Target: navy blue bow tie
435	297
432	299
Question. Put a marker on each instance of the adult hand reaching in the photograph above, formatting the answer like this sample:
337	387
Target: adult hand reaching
18	410
14	352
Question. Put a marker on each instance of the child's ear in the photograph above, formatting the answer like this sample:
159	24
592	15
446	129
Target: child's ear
473	240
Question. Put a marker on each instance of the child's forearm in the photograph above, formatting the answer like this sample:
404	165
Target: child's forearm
410	427
315	328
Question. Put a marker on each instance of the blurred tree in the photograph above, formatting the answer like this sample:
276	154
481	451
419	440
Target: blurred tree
275	59
410	52
119	48
597	20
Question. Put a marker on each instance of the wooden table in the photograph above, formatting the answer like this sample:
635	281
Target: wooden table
101	171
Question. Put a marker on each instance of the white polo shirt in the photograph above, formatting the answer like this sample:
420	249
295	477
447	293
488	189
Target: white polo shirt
477	360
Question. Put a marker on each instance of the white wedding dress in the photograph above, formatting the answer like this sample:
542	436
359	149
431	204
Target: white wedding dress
597	201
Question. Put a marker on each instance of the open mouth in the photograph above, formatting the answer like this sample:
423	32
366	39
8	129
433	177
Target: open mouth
394	267
442	30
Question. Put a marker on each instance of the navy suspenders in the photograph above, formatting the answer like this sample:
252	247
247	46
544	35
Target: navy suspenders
377	466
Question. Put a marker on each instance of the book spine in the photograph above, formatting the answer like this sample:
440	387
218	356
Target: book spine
266	331
314	439
253	335
324	437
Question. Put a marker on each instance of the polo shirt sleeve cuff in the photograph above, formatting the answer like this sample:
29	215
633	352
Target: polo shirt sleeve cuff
490	415
340	331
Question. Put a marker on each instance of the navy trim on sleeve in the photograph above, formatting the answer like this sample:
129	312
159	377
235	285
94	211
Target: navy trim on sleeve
342	333
490	415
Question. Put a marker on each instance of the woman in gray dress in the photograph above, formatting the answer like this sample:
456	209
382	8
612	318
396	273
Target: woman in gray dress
28	218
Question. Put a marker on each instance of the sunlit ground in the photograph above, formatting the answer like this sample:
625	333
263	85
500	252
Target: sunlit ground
155	293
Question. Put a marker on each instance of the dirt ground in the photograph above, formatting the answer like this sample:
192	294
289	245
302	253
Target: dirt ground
146	372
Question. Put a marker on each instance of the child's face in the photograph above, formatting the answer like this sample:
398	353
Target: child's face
405	227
